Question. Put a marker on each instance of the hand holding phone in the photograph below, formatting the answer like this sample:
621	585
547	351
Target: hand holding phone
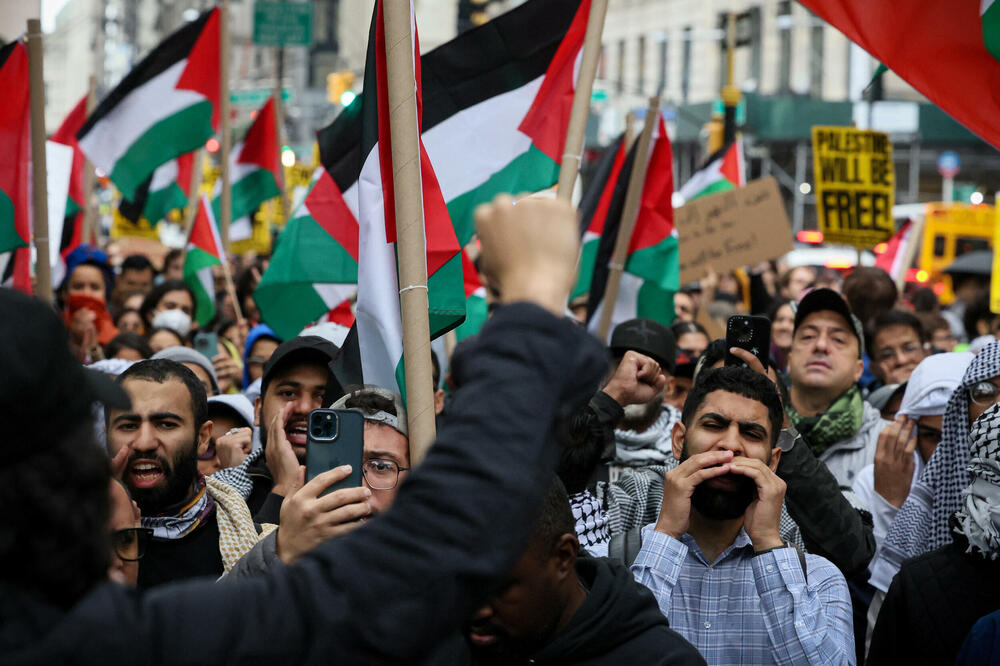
335	437
752	333
206	344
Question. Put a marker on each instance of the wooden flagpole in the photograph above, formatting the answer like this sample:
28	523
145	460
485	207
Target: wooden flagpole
279	119
630	211
581	100
410	241
89	232
225	138
39	187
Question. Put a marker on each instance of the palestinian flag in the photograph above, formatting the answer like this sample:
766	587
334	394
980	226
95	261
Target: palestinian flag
594	206
166	190
254	170
166	106
894	251
315	264
72	230
15	142
476	308
949	51
724	170
204	250
496	106
652	268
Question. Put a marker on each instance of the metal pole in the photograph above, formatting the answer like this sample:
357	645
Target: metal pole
798	210
914	189
730	93
279	115
947	190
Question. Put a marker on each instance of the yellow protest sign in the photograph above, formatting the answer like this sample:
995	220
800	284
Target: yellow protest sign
855	185
995	277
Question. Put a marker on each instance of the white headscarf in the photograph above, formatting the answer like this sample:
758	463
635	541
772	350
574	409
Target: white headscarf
932	382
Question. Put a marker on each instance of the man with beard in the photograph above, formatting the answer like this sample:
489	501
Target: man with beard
643	434
558	607
200	527
297	379
715	559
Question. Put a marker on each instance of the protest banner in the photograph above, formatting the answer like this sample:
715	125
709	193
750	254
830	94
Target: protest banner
855	185
731	229
995	275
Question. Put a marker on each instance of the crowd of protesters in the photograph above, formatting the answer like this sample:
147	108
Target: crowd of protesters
643	502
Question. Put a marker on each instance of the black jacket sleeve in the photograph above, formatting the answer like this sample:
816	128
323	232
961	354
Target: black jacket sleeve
390	591
591	440
830	526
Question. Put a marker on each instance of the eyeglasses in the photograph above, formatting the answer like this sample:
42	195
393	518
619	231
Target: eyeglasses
907	350
130	544
984	394
381	474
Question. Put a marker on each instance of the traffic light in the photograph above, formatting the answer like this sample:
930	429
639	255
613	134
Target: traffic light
338	87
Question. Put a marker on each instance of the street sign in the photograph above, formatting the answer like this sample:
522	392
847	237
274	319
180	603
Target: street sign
948	164
256	96
282	23
855	185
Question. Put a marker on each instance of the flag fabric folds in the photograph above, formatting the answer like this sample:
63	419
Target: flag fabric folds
166	106
723	170
204	250
66	135
652	266
949	51
15	139
254	170
314	268
166	190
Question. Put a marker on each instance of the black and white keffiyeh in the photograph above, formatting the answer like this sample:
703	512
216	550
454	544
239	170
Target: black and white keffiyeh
238	477
979	518
591	520
922	523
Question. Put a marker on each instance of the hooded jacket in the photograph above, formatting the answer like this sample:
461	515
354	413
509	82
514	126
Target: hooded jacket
618	623
255	334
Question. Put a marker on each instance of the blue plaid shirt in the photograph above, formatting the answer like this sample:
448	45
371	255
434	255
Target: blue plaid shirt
743	609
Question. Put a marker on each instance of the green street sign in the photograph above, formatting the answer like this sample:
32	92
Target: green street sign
256	96
282	23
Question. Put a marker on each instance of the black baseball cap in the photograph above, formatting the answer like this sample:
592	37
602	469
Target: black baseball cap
646	337
304	348
44	390
818	300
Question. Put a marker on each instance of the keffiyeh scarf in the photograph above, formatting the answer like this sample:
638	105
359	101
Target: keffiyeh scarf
922	522
184	517
841	421
979	519
652	446
591	520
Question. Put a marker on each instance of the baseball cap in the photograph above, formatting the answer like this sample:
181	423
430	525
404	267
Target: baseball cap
303	347
818	300
44	389
646	337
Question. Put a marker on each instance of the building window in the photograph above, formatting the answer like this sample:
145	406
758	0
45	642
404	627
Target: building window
784	25
642	65
816	58
661	84
620	74
686	65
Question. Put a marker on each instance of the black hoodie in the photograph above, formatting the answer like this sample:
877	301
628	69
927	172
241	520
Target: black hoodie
619	623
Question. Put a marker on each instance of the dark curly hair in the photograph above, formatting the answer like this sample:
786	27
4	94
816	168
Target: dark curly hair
54	536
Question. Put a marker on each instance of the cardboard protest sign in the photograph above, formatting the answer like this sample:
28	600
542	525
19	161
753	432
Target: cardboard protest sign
855	185
732	229
995	276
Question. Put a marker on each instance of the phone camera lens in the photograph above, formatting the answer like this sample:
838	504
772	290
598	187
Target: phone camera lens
317	431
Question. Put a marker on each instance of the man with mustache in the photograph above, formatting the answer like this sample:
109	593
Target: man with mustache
200	527
715	559
825	403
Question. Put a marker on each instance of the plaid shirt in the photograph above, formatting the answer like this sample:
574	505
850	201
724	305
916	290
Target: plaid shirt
743	609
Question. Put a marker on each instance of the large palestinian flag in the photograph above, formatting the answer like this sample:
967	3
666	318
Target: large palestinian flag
723	170
166	190
204	250
652	267
168	105
949	51
315	264
254	170
15	140
73	221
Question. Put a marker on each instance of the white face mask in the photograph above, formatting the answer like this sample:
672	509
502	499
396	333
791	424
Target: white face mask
177	320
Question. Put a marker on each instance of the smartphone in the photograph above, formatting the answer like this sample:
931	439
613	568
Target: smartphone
206	344
752	333
335	437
